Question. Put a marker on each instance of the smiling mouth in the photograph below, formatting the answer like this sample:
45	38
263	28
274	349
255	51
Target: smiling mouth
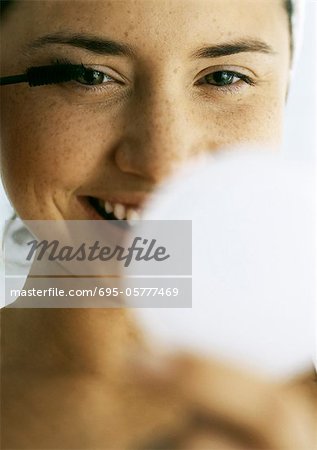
114	211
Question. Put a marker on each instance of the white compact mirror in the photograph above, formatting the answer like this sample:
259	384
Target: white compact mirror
253	262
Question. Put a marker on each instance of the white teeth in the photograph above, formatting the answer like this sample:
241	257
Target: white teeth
108	207
132	214
119	211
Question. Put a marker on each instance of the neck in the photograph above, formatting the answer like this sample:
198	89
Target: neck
67	340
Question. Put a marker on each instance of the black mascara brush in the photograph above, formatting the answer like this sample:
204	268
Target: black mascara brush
38	76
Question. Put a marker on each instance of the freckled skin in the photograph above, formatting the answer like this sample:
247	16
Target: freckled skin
67	370
132	141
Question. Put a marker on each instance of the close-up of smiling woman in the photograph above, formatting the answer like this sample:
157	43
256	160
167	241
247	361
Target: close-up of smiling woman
102	101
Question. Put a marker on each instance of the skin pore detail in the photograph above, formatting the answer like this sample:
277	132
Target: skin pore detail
129	133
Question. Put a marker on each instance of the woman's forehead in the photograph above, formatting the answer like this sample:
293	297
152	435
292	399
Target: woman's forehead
151	24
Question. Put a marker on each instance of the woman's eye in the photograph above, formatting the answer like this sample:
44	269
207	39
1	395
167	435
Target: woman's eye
223	78
92	77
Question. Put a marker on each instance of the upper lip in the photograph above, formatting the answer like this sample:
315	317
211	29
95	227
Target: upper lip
129	199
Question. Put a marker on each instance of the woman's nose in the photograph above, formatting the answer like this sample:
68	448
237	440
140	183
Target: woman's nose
160	135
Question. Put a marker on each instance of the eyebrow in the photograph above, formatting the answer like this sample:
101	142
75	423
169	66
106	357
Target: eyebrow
102	46
88	42
231	48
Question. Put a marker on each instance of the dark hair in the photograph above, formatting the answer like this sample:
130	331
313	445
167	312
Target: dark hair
4	4
289	6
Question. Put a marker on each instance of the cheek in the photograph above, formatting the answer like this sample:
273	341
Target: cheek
48	145
258	120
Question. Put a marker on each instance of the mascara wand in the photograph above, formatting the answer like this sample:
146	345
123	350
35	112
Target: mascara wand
38	76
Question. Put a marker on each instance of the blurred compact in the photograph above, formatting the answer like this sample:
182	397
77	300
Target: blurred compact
253	277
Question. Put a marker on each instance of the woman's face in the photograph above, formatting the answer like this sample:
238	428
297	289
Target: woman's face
182	77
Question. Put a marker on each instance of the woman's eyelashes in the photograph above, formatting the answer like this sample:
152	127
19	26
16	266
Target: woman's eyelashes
97	81
220	81
220	78
102	81
225	80
94	79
